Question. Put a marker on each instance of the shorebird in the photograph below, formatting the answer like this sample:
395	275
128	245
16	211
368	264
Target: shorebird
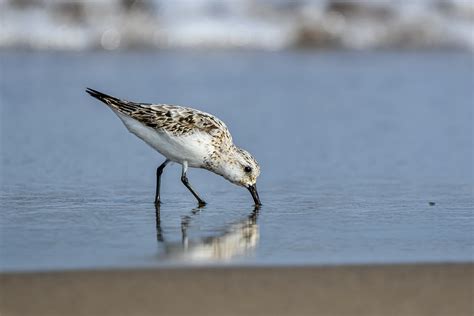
189	137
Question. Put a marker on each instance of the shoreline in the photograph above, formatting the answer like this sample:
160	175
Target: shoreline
399	289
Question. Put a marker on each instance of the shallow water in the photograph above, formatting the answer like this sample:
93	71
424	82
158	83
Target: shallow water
352	146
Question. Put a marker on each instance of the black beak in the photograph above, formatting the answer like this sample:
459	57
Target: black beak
253	190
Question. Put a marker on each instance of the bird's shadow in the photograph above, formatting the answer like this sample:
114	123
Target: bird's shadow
234	240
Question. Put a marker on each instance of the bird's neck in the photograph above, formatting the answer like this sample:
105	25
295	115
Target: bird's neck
226	160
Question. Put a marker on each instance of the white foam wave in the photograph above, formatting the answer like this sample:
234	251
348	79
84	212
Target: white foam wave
258	24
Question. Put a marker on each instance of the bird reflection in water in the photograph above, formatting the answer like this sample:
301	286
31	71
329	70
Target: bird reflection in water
238	239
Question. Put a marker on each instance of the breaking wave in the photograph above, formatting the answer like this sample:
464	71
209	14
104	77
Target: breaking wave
253	24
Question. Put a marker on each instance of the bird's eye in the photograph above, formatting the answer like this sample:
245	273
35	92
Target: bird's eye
247	169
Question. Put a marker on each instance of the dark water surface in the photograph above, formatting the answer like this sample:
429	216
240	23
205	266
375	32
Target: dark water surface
352	146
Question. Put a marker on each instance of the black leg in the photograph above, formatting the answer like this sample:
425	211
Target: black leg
185	181
159	171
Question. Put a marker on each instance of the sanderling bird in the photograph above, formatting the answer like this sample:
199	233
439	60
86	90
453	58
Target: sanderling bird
189	137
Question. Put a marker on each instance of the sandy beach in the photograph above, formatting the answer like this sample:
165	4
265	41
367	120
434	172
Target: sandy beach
425	289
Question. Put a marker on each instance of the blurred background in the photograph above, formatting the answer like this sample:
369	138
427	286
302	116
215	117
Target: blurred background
360	114
248	24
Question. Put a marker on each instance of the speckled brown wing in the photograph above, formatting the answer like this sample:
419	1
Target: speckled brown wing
178	120
173	119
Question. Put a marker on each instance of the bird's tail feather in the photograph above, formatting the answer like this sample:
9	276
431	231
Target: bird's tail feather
120	105
101	96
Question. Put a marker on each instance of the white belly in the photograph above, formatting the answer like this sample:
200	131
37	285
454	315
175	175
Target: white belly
192	148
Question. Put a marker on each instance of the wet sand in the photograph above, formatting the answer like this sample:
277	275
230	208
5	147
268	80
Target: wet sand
425	289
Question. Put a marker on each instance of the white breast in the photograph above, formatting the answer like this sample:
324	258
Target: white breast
193	148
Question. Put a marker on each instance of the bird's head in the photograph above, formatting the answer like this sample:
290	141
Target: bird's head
240	168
